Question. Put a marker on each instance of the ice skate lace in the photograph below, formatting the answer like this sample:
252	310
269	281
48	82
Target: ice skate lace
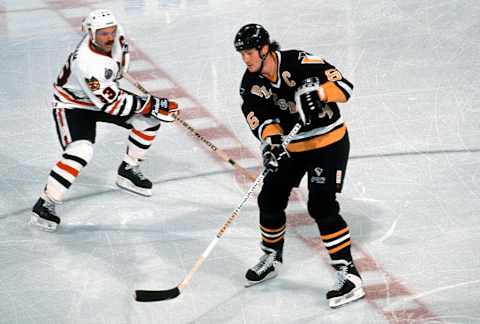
265	262
136	171
340	278
50	206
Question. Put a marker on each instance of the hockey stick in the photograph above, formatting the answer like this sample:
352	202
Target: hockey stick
158	295
224	156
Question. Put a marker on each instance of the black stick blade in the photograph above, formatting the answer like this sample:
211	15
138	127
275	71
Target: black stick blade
156	295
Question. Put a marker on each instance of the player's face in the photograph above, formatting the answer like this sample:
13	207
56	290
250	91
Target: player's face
105	38
251	58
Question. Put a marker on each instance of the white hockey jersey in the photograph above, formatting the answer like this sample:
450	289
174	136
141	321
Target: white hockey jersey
89	80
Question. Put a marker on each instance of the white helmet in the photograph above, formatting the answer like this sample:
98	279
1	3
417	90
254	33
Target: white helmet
98	19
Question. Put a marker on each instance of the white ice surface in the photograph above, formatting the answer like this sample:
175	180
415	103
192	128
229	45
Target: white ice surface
412	193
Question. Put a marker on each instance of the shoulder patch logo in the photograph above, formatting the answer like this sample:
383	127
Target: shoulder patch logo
312	59
108	73
93	83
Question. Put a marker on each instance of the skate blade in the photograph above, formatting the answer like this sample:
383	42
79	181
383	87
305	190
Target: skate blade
126	184
42	224
354	295
271	275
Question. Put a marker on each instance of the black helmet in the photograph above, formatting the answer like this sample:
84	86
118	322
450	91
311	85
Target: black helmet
251	36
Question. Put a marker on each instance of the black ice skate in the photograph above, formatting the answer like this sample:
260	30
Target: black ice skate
44	215
132	179
348	286
266	268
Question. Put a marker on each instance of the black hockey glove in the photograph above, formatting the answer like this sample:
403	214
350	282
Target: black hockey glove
308	101
273	153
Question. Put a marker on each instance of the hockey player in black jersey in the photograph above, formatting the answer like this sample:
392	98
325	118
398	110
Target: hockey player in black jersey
279	89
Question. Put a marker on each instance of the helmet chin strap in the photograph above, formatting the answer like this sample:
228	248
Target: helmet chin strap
263	57
92	37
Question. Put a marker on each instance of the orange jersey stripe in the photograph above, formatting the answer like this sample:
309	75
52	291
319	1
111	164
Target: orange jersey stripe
319	141
334	235
71	99
67	168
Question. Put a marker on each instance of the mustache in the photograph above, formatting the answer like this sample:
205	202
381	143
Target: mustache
110	43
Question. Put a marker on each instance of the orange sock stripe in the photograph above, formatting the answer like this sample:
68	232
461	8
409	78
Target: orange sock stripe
142	135
273	231
67	168
272	241
334	235
338	248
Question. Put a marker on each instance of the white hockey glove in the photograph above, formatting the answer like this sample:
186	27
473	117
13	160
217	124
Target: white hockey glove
273	153
160	108
308	100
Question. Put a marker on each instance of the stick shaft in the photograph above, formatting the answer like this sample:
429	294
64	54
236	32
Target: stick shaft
152	295
222	230
157	295
220	153
234	215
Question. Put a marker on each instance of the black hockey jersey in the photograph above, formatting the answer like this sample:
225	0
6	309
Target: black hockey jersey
269	107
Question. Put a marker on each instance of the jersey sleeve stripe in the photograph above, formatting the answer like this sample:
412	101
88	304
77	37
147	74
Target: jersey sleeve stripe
346	87
265	124
115	105
270	130
122	108
135	103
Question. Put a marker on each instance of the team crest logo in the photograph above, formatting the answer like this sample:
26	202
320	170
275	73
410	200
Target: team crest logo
93	83
108	73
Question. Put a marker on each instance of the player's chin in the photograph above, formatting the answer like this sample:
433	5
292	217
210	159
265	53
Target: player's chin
252	68
107	48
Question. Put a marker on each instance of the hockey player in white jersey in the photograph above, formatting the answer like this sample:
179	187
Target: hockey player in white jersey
87	91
